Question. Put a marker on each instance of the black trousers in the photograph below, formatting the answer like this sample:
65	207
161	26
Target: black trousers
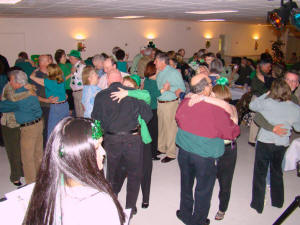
153	129
266	154
45	111
70	99
146	176
11	137
225	171
127	150
147	172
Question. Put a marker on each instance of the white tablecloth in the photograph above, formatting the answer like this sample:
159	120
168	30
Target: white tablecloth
237	93
292	155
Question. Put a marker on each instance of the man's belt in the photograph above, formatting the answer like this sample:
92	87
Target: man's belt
30	123
134	131
55	103
167	101
77	90
232	144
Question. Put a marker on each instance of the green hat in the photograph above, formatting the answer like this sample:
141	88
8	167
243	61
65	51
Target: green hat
75	53
136	78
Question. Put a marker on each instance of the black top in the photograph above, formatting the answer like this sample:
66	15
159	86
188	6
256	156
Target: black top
40	90
119	117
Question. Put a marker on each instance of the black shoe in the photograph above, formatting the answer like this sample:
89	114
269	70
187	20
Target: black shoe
159	153
145	205
18	183
155	158
179	216
133	212
167	159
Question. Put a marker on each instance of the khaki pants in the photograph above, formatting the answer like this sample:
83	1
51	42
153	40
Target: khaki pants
77	95
31	150
253	132
167	128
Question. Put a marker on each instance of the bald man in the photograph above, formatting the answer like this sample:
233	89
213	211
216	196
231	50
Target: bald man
42	72
201	130
108	65
122	138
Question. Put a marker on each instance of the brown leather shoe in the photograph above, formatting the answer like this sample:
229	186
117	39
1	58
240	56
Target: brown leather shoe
167	159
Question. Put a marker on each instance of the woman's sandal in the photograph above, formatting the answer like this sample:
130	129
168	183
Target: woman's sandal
220	215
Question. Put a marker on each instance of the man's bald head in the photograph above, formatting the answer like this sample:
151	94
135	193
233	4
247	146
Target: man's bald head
43	60
114	75
201	84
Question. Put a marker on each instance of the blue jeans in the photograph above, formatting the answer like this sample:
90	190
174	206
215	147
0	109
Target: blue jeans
56	114
204	170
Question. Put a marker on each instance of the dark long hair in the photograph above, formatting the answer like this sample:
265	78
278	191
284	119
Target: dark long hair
71	153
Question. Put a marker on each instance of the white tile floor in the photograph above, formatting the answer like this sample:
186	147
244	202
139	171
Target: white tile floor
164	200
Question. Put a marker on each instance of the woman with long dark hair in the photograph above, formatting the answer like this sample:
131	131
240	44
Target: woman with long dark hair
70	186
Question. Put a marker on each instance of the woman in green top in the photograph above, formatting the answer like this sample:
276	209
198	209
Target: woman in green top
54	87
151	86
61	60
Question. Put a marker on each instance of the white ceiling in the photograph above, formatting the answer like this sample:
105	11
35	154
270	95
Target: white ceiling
253	11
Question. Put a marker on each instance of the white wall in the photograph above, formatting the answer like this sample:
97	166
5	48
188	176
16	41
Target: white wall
45	35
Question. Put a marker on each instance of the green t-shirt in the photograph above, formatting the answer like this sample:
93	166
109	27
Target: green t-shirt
54	89
66	68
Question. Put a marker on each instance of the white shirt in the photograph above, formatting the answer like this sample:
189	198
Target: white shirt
76	78
84	205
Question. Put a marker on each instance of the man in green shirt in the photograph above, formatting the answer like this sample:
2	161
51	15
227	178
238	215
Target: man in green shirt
167	105
28	114
136	59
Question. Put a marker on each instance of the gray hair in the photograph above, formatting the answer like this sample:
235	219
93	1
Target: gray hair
200	53
163	57
20	77
216	66
99	57
147	51
199	87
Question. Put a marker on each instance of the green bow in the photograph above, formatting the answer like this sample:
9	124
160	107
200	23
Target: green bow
96	130
222	81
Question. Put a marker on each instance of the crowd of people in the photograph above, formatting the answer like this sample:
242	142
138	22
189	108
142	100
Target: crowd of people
56	115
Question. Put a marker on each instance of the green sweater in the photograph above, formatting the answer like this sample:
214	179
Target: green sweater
66	68
145	96
203	146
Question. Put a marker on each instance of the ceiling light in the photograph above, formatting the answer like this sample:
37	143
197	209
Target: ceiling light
280	17
9	1
128	17
212	12
212	20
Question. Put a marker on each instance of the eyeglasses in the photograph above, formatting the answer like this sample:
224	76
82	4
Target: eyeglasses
292	81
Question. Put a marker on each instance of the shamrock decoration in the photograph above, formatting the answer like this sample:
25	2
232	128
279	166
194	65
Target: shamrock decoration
96	130
222	81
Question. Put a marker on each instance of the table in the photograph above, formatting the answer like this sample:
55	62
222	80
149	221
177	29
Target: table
292	155
237	93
